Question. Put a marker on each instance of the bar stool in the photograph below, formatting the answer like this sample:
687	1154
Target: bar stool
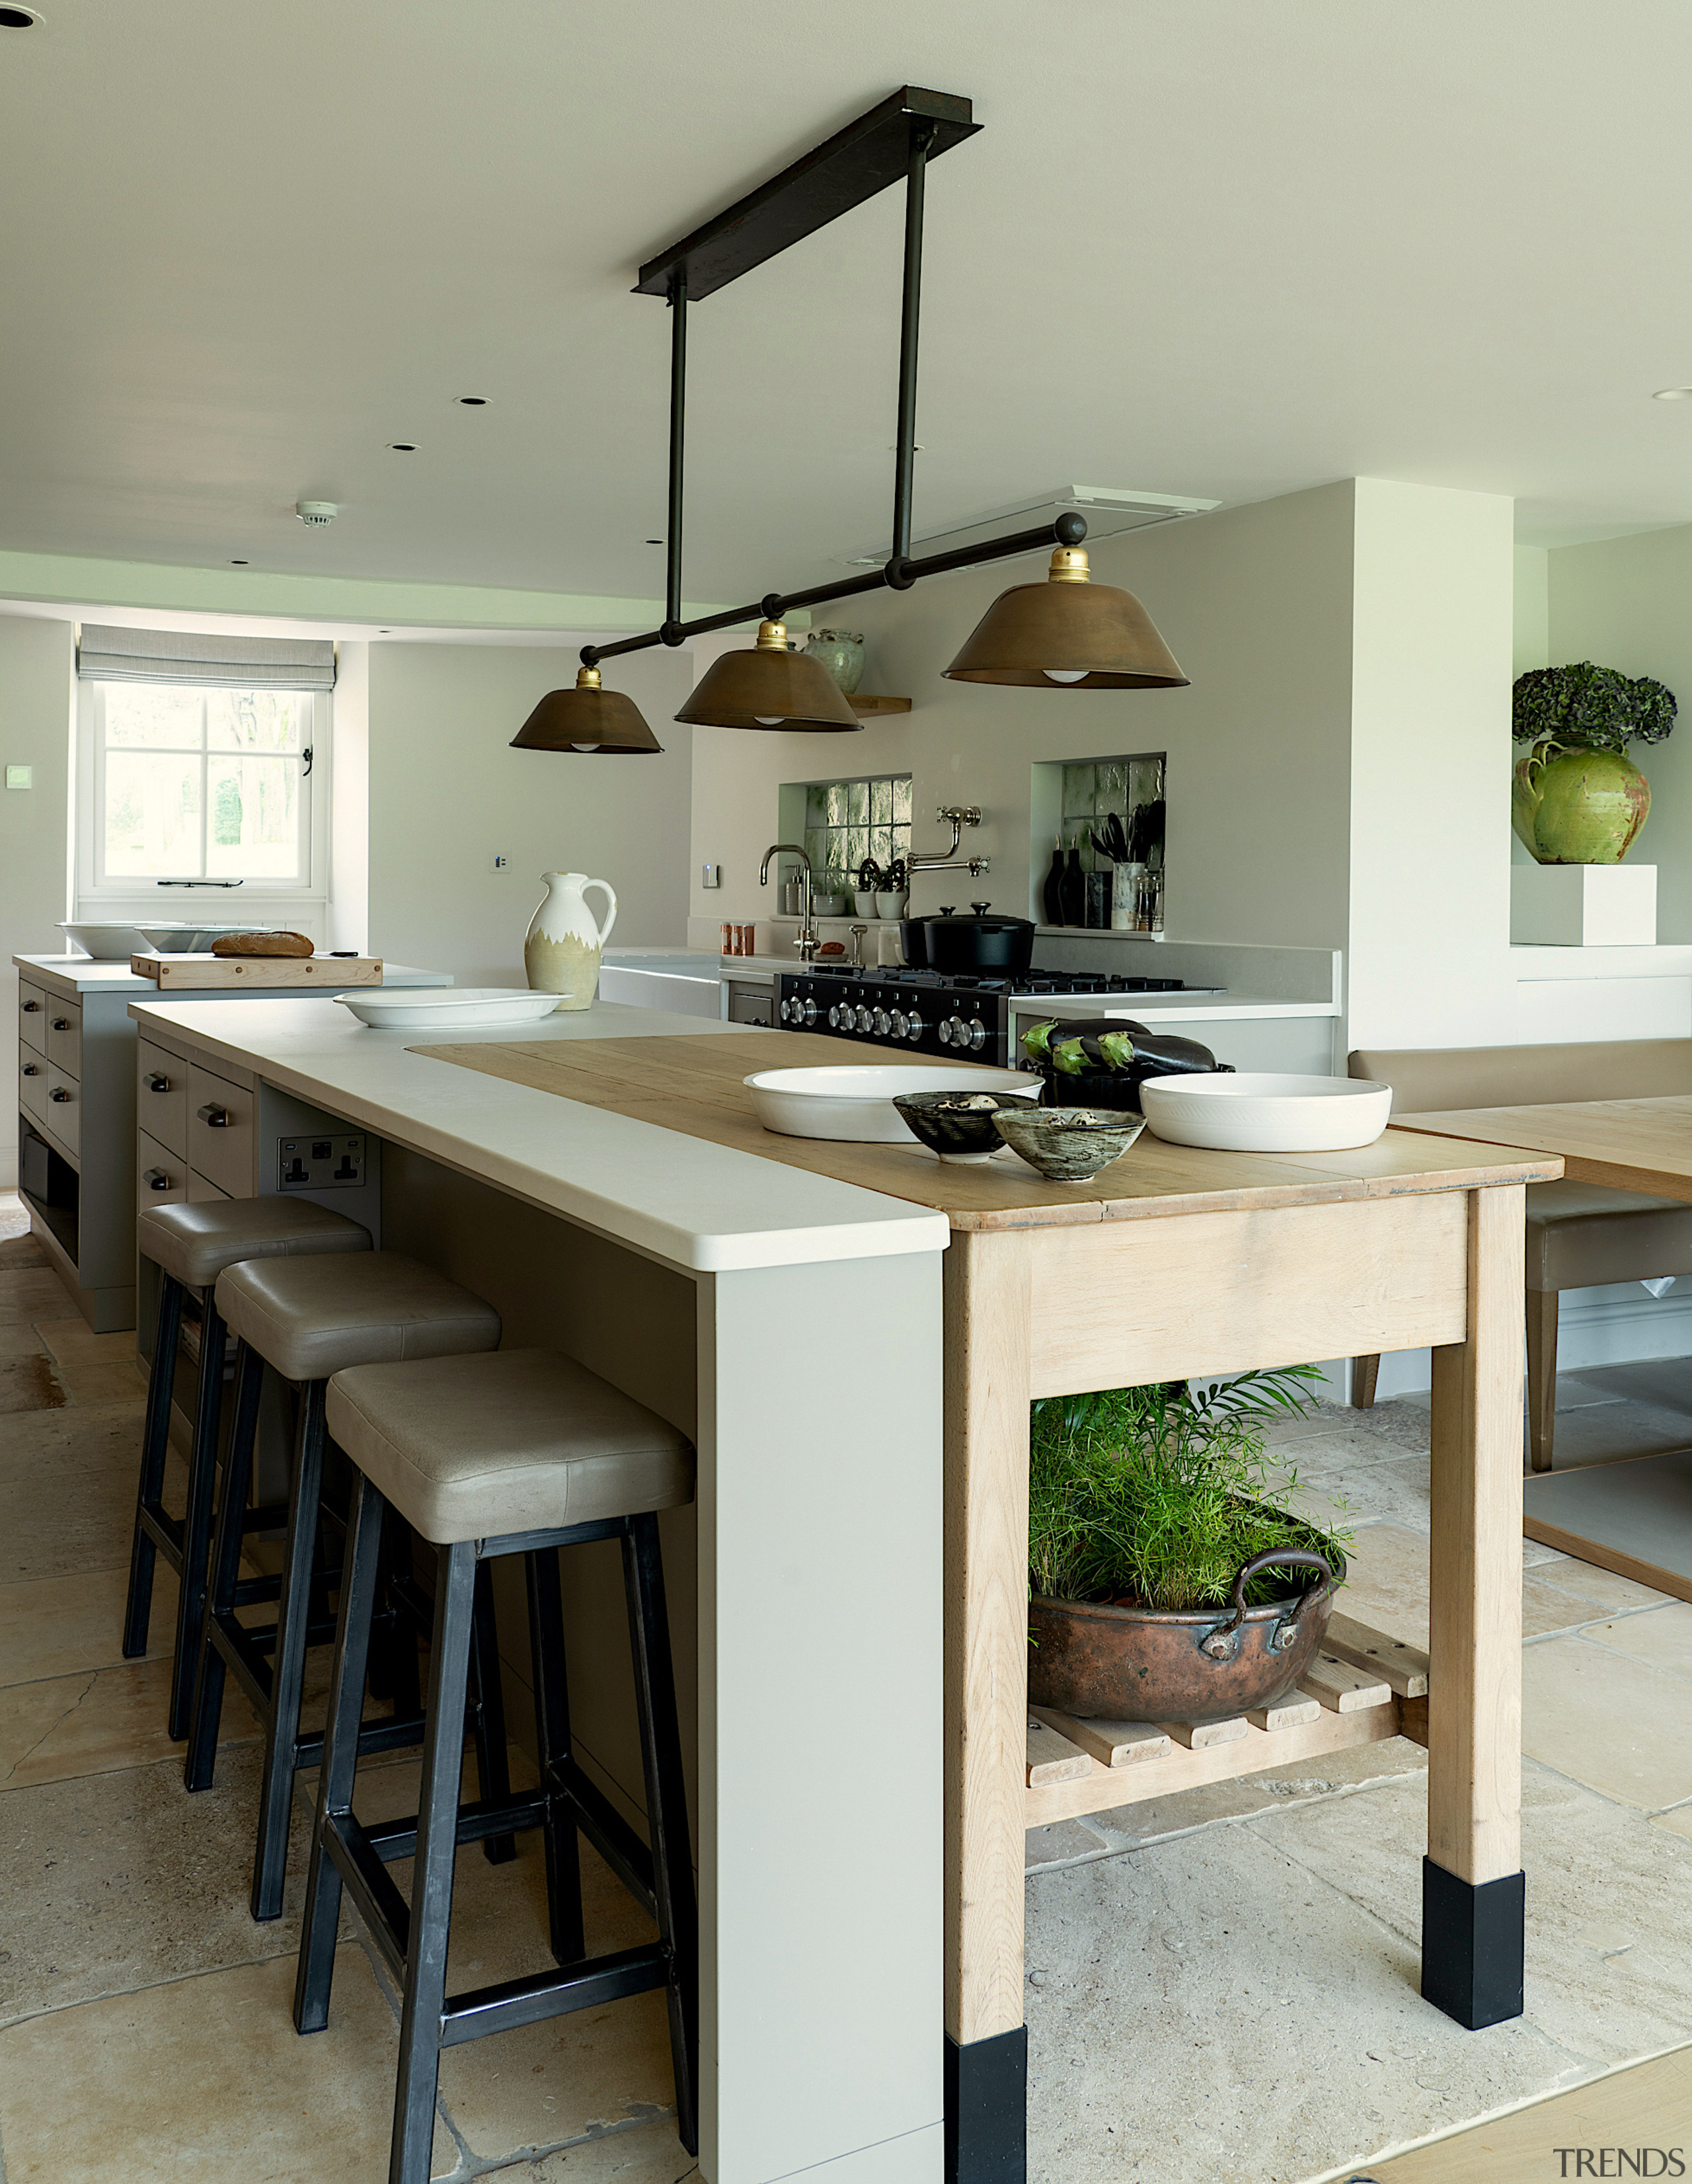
305	1320
191	1245
520	1452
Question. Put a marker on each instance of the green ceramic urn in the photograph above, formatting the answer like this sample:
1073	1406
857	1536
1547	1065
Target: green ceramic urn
1578	807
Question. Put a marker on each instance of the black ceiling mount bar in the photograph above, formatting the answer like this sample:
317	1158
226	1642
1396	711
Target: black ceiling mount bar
895	139
856	164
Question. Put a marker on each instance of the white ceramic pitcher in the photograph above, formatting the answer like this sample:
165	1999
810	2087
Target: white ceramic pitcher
561	952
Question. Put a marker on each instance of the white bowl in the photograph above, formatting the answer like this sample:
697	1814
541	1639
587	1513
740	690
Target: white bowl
446	1008
108	941
853	1103
1255	1111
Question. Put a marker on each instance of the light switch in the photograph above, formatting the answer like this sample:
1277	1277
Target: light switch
20	777
712	875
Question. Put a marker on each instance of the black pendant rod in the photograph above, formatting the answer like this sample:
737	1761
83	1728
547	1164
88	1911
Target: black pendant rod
678	408
1069	530
904	458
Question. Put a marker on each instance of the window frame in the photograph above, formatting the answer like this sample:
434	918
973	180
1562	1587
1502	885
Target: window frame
94	884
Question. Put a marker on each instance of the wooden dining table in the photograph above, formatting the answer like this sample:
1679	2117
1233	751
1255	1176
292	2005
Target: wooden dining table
1634	1515
1173	1263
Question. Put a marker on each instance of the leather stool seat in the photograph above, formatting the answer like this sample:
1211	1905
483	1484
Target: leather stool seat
1581	1235
194	1244
310	1318
516	1441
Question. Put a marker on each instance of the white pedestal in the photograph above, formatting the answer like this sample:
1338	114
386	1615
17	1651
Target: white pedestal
1582	905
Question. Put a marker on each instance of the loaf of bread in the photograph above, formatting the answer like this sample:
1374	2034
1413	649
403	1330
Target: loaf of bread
263	943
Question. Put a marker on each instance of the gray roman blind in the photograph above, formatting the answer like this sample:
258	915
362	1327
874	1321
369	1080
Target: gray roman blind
228	663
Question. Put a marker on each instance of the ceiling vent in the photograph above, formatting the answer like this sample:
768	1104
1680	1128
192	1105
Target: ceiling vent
314	513
1109	510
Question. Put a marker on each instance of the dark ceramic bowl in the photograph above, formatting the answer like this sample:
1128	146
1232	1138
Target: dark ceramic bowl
959	1125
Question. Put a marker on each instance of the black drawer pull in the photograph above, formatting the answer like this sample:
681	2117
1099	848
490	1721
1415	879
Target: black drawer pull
59	1093
32	1069
32	1008
215	1119
158	1084
61	1023
156	1180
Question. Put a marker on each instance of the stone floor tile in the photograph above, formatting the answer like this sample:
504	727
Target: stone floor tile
1614	1723
1210	2009
1662	1636
97	1385
1609	1959
18	1339
72	1341
73	1726
64	1626
119	1880
1340	1447
205	2081
648	2154
1394	1488
1611	1433
1607	1588
1404	1420
32	1293
29	1383
19	1250
1058	1844
1386	1586
67	1490
1664	1382
1133	1826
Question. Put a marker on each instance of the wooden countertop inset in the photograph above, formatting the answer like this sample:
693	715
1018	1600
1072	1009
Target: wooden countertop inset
1626	1145
693	1086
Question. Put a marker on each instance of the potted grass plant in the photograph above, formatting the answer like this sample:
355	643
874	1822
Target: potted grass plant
1166	1582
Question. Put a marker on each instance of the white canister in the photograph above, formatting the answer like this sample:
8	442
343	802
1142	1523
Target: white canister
562	951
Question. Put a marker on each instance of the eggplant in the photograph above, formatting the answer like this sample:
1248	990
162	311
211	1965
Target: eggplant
1036	1041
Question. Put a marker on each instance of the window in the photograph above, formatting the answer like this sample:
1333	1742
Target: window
847	821
195	783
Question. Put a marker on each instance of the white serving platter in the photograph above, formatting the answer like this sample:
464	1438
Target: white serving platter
444	1008
853	1104
1258	1112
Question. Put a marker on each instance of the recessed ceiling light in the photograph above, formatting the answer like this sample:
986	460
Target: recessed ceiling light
1673	394
404	447
473	401
19	19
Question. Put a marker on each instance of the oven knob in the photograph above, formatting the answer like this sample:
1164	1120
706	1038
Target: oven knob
804	1012
978	1035
883	1023
784	1012
913	1026
953	1032
840	1019
863	1020
945	1030
899	1022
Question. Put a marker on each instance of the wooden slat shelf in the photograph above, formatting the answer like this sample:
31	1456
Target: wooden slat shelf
1338	1709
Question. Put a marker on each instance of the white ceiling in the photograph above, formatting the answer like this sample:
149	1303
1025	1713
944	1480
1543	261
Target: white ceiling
1218	247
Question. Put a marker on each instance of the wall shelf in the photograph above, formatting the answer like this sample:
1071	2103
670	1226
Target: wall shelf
864	706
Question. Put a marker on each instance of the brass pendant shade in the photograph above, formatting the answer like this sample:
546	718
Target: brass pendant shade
769	687
588	719
1067	634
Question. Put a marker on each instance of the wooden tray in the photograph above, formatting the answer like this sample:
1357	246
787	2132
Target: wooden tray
186	973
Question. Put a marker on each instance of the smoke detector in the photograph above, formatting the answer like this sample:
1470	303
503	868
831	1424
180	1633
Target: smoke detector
316	513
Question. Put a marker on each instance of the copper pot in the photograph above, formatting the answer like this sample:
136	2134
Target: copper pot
1179	1664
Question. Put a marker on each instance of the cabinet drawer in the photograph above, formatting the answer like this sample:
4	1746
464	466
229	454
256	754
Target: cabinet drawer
62	1113
161	1177
64	1034
32	1085
32	1016
161	1098
200	1191
220	1120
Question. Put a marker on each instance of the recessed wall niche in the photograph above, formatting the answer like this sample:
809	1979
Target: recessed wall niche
1072	801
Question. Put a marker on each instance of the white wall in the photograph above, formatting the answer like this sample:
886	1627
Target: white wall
348	919
446	793
37	695
1256	604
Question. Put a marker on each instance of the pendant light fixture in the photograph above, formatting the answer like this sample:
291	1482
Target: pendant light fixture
1070	634
1066	633
588	718
768	687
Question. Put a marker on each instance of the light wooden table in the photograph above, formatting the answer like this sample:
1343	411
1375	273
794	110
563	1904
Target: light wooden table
1634	1517
1174	1263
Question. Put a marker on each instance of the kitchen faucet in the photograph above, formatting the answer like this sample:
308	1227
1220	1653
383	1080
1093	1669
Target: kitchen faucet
960	816
806	944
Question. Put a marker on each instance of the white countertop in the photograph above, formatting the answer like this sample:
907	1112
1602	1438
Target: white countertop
82	974
695	1205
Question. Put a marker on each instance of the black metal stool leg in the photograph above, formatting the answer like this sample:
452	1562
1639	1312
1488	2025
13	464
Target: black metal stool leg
666	1805
398	1549
190	1594
206	1713
431	1886
360	1568
551	1733
493	1761
287	1675
155	1441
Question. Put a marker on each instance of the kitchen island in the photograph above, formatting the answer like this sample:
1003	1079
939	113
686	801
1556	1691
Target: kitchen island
853	1334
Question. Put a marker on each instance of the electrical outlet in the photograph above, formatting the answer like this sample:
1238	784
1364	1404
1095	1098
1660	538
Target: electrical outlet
500	860
332	1163
712	875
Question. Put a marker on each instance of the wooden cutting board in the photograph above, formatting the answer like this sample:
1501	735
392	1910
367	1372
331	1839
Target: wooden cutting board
186	973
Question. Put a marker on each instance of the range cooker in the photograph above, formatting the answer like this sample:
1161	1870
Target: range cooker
934	1013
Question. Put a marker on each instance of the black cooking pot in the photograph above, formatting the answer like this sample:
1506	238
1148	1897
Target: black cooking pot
952	942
